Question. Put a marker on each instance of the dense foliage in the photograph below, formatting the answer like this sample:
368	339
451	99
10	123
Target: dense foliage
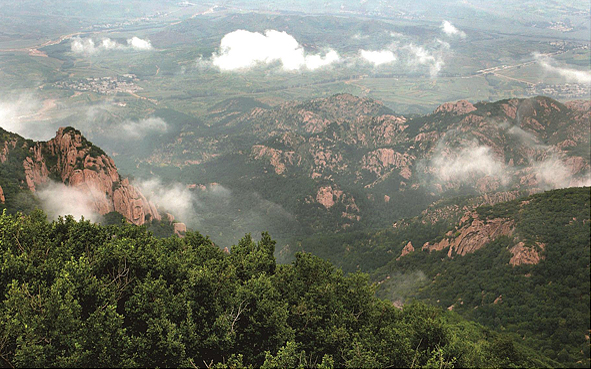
81	294
545	304
12	177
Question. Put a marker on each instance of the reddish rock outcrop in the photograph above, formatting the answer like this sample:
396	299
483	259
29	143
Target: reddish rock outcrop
2	199
473	235
180	229
327	196
510	108
580	105
380	160
406	250
130	202
8	145
277	158
525	255
36	172
457	108
88	169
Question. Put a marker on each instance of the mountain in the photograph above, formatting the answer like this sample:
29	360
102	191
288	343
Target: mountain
351	162
519	266
69	159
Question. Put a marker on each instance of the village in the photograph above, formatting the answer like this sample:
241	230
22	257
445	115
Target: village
103	85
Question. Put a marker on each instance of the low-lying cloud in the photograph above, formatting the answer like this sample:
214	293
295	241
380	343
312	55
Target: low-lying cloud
552	173
569	74
468	164
420	56
58	199
377	58
456	161
87	46
451	30
134	130
243	50
20	116
172	197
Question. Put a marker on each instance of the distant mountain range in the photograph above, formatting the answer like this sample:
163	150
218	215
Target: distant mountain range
333	163
356	161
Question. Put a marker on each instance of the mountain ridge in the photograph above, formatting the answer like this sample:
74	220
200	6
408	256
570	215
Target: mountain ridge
346	147
70	159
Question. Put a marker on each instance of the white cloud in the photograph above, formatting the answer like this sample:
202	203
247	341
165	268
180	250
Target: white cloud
469	163
552	173
87	46
134	130
20	116
243	50
173	197
108	44
359	36
83	46
457	161
548	164
421	56
378	57
58	199
528	139
569	74
139	44
450	30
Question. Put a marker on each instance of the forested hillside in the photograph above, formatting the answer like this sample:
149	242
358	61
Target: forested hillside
520	266
80	294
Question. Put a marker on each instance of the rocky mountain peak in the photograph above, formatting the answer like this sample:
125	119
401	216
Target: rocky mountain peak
456	108
74	161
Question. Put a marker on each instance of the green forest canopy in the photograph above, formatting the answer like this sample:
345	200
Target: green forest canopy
75	293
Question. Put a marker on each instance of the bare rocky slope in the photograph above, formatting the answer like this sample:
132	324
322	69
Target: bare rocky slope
70	159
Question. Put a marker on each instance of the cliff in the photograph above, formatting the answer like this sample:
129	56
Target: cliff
72	160
472	234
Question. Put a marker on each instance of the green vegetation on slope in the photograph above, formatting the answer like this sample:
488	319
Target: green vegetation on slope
545	305
80	294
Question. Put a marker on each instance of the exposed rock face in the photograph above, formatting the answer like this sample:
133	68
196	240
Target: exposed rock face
36	172
380	160
406	250
180	229
279	159
525	255
2	199
6	149
473	235
327	196
130	202
457	108
84	167
362	147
